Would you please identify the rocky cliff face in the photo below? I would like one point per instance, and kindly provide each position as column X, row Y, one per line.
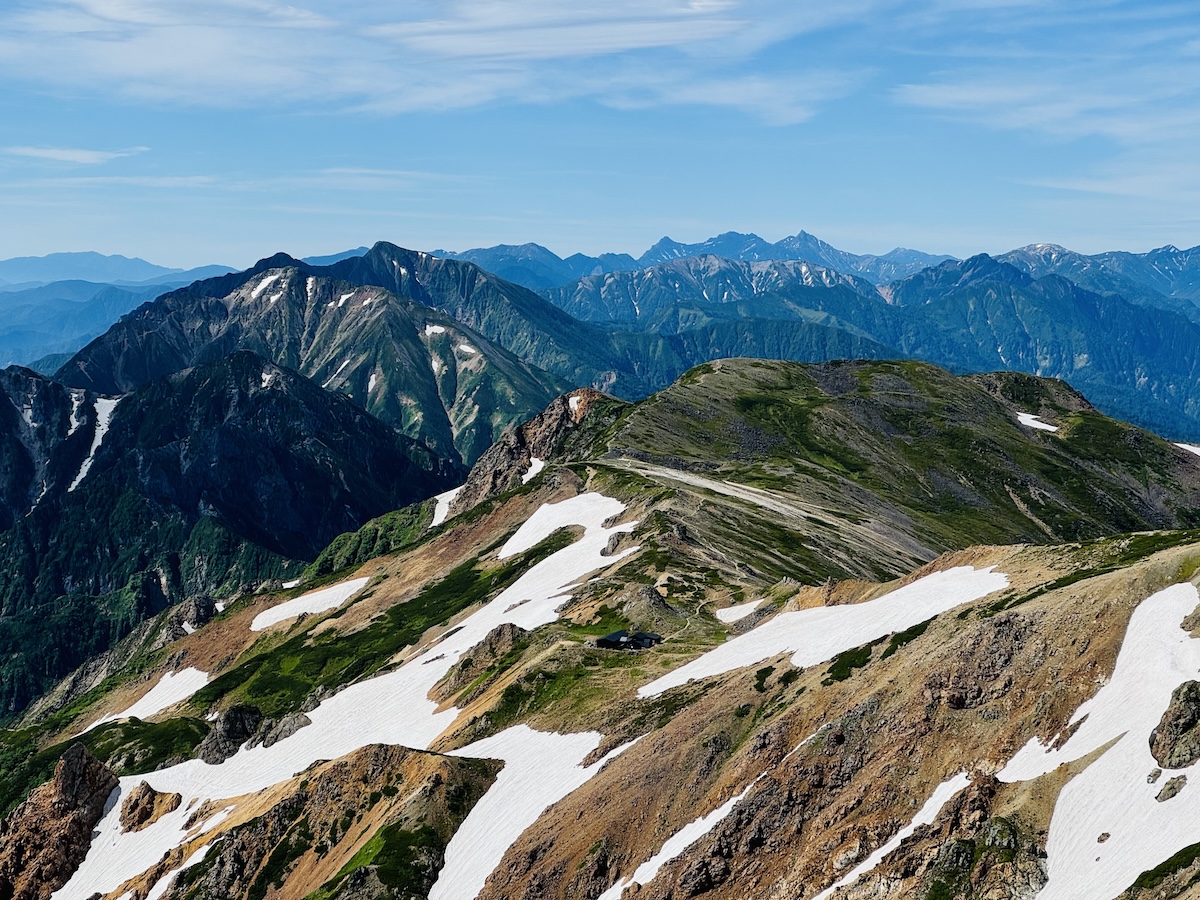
column 45, row 838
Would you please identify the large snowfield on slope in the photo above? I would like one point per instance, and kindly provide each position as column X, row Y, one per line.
column 1114, row 794
column 391, row 709
column 817, row 635
column 172, row 688
column 313, row 602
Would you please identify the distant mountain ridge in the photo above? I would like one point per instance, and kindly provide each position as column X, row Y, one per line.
column 539, row 269
column 92, row 266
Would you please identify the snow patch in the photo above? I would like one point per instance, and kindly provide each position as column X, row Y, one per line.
column 737, row 613
column 313, row 602
column 220, row 607
column 942, row 795
column 540, row 769
column 104, row 412
column 436, row 362
column 335, row 374
column 77, row 398
column 1029, row 420
column 342, row 299
column 442, row 508
column 1190, row 448
column 371, row 382
column 675, row 845
column 264, row 284
column 1113, row 794
column 573, row 403
column 434, row 329
column 467, row 349
column 288, row 585
column 394, row 708
column 817, row 635
column 310, row 288
column 172, row 688
column 535, row 466
column 189, row 628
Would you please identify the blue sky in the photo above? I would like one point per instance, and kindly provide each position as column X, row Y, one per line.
column 227, row 131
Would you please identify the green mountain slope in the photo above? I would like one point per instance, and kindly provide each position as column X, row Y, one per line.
column 208, row 482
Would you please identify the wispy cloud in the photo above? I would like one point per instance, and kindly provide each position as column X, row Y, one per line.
column 412, row 55
column 75, row 155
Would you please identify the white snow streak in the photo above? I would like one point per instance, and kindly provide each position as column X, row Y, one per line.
column 442, row 508
column 1113, row 794
column 172, row 688
column 539, row 770
column 535, row 466
column 942, row 795
column 264, row 284
column 436, row 362
column 310, row 287
column 393, row 708
column 315, row 602
column 1190, row 448
column 1029, row 420
column 342, row 299
column 335, row 374
column 77, row 398
column 371, row 382
column 817, row 635
column 288, row 585
column 737, row 613
column 104, row 412
column 160, row 887
column 675, row 845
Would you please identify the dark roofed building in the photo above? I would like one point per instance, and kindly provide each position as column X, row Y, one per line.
column 623, row 640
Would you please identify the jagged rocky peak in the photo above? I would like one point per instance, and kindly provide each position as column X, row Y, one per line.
column 43, row 841
column 523, row 450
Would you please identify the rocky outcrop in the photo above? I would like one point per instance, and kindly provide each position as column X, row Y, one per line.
column 144, row 806
column 233, row 728
column 45, row 839
column 1175, row 743
column 272, row 731
column 500, row 641
column 415, row 800
column 510, row 459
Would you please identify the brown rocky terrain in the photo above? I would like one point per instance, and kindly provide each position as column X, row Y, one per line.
column 45, row 838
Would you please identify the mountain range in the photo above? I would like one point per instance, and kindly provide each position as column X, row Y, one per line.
column 910, row 634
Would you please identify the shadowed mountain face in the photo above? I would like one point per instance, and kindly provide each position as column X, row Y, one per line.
column 208, row 481
column 416, row 369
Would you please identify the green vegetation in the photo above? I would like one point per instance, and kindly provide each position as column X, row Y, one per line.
column 389, row 533
column 277, row 680
column 402, row 861
column 1177, row 862
column 844, row 664
column 900, row 638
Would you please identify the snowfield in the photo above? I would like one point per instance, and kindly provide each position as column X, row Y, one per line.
column 172, row 688
column 104, row 414
column 817, row 635
column 395, row 708
column 1029, row 420
column 315, row 602
column 737, row 613
column 535, row 466
column 441, row 508
column 1115, row 794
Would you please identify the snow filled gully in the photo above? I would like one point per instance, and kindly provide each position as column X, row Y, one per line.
column 540, row 768
column 1108, row 825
